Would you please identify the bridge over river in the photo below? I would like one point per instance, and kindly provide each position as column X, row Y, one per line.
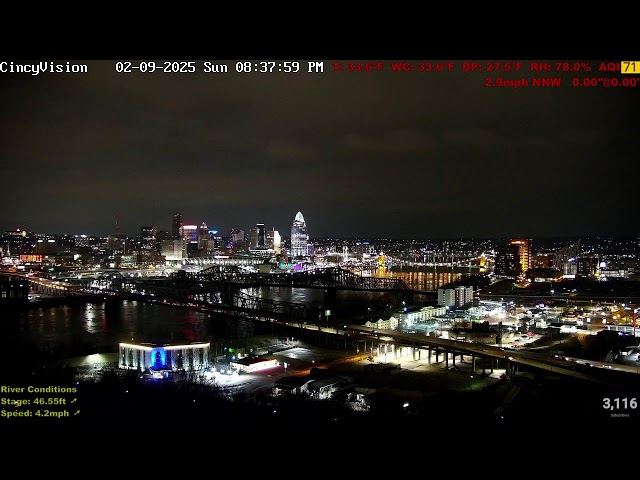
column 219, row 290
column 222, row 284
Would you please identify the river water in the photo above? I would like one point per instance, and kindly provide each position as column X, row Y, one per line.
column 421, row 279
column 67, row 331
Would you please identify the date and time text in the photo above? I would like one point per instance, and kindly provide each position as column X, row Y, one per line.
column 491, row 74
column 505, row 74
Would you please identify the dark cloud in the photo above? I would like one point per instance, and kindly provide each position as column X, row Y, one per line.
column 394, row 141
column 411, row 154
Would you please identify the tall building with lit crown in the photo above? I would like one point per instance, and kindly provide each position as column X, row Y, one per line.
column 299, row 237
column 524, row 253
column 189, row 234
column 203, row 237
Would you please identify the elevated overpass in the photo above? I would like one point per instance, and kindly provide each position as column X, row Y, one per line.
column 450, row 349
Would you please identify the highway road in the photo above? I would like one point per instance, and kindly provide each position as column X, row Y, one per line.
column 557, row 364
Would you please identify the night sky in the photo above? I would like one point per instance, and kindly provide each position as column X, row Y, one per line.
column 376, row 154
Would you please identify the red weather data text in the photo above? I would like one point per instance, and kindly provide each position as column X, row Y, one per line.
column 509, row 74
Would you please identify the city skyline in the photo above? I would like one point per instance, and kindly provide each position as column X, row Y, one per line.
column 369, row 154
column 246, row 231
column 136, row 232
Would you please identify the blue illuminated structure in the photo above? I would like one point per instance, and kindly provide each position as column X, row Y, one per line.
column 158, row 358
column 164, row 358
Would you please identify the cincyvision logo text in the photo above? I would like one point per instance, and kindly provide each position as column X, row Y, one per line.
column 42, row 67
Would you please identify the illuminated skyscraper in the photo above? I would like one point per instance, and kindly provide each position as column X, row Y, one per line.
column 237, row 236
column 508, row 261
column 299, row 237
column 237, row 239
column 203, row 236
column 277, row 241
column 258, row 236
column 524, row 253
column 173, row 249
column 215, row 240
column 148, row 237
column 189, row 234
column 273, row 240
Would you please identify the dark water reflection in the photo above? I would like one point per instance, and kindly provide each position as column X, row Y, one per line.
column 417, row 279
column 67, row 331
column 352, row 303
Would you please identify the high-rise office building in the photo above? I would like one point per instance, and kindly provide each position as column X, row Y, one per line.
column 237, row 236
column 203, row 237
column 116, row 243
column 173, row 249
column 258, row 236
column 277, row 242
column 299, row 237
column 587, row 267
column 508, row 261
column 175, row 225
column 214, row 242
column 524, row 253
column 189, row 235
column 262, row 240
column 148, row 237
column 161, row 236
column 273, row 240
column 237, row 240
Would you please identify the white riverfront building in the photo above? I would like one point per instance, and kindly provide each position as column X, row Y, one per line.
column 142, row 356
column 424, row 314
